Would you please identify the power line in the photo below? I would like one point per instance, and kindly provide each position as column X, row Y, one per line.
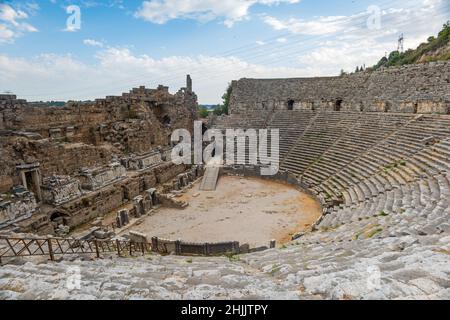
column 257, row 54
column 270, row 41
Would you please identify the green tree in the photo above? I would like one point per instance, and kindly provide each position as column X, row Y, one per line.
column 226, row 99
column 203, row 112
column 224, row 108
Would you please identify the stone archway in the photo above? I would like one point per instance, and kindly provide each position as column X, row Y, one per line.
column 166, row 120
column 31, row 178
column 290, row 105
column 338, row 105
column 59, row 217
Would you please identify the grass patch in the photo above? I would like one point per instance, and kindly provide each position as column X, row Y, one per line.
column 274, row 270
column 372, row 233
column 443, row 251
column 234, row 258
column 382, row 214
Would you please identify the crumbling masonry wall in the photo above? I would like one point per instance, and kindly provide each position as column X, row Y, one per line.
column 423, row 88
column 86, row 159
column 80, row 135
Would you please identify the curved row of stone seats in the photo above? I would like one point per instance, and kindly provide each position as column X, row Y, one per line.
column 385, row 166
column 391, row 176
column 425, row 201
column 322, row 265
column 319, row 136
column 243, row 121
column 292, row 125
column 365, row 133
column 153, row 277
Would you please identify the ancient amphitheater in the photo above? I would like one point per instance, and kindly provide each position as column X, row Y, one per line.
column 373, row 149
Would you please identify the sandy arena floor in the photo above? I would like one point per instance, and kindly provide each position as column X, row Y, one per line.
column 249, row 210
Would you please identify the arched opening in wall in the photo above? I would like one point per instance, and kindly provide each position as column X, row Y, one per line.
column 387, row 107
column 59, row 218
column 166, row 120
column 290, row 105
column 416, row 107
column 125, row 195
column 204, row 128
column 338, row 105
column 2, row 126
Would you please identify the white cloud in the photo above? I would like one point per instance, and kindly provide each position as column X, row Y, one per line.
column 232, row 11
column 319, row 26
column 11, row 25
column 331, row 43
column 117, row 70
column 93, row 43
column 6, row 35
column 405, row 18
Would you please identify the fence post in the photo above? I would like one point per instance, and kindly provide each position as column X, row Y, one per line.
column 155, row 244
column 96, row 249
column 273, row 244
column 143, row 248
column 118, row 246
column 50, row 250
column 236, row 247
column 178, row 247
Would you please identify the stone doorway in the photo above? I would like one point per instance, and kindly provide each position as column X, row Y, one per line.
column 290, row 105
column 31, row 178
column 59, row 218
column 338, row 105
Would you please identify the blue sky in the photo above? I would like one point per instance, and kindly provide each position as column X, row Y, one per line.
column 122, row 44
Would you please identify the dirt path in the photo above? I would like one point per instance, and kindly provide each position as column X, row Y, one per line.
column 247, row 210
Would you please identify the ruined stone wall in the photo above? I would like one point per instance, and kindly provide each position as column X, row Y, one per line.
column 54, row 158
column 167, row 171
column 140, row 109
column 87, row 134
column 106, row 200
column 421, row 88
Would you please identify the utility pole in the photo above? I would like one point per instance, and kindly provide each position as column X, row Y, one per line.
column 401, row 42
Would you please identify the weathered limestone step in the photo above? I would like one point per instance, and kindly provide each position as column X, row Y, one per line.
column 209, row 181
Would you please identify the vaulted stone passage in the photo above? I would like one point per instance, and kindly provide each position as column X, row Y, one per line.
column 290, row 105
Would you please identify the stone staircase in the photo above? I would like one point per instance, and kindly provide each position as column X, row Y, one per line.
column 387, row 238
column 321, row 265
column 210, row 178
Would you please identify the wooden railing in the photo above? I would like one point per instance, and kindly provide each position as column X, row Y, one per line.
column 12, row 247
column 52, row 247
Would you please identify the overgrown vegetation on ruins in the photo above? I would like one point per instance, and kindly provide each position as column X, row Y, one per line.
column 435, row 49
column 203, row 112
column 223, row 108
column 220, row 109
